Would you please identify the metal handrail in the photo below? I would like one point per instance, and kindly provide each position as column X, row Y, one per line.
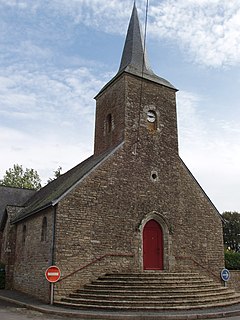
column 199, row 264
column 95, row 261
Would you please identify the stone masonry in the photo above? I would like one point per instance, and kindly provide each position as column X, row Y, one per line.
column 96, row 213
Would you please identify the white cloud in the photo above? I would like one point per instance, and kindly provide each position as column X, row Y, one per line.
column 110, row 16
column 47, row 92
column 21, row 4
column 30, row 50
column 43, row 154
column 211, row 150
column 46, row 115
column 207, row 30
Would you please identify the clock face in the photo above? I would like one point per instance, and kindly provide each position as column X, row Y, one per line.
column 151, row 116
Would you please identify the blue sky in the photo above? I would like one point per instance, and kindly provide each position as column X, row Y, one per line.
column 57, row 54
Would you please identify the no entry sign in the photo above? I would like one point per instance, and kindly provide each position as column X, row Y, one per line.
column 52, row 274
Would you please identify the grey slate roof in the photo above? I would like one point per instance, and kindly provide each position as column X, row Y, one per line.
column 52, row 193
column 14, row 197
column 134, row 60
column 132, row 55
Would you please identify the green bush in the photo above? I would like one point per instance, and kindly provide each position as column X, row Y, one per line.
column 232, row 260
column 2, row 276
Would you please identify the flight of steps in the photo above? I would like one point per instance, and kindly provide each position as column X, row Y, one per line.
column 151, row 292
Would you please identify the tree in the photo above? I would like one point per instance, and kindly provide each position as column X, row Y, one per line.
column 231, row 230
column 20, row 178
column 56, row 173
column 232, row 260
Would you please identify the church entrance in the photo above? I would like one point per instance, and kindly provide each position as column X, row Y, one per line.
column 152, row 246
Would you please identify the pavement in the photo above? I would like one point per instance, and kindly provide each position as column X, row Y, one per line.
column 31, row 303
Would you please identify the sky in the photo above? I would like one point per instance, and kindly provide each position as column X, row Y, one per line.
column 55, row 56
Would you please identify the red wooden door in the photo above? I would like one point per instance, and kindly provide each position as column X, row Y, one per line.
column 152, row 246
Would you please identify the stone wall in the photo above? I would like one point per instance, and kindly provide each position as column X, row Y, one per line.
column 33, row 255
column 143, row 179
column 199, row 226
column 8, row 245
column 109, row 135
column 106, row 213
column 234, row 282
column 88, row 272
column 100, row 222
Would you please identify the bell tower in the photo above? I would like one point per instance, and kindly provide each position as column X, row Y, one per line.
column 136, row 106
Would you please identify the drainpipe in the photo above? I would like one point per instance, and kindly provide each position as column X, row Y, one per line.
column 53, row 236
column 53, row 252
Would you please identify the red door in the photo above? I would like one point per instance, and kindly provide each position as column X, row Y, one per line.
column 152, row 246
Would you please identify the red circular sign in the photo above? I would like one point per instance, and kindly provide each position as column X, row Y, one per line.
column 52, row 274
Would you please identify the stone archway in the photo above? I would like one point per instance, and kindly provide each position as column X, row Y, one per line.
column 164, row 235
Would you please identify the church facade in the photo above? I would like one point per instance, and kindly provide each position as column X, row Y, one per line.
column 133, row 206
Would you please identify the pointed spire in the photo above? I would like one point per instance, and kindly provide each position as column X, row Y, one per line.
column 134, row 57
column 134, row 60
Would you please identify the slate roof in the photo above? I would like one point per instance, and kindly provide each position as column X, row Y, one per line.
column 134, row 58
column 14, row 197
column 53, row 192
column 134, row 47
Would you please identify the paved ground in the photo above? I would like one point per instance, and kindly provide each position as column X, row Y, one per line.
column 17, row 306
column 10, row 311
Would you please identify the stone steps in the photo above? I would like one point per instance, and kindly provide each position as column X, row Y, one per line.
column 153, row 288
column 141, row 308
column 144, row 292
column 151, row 291
column 150, row 297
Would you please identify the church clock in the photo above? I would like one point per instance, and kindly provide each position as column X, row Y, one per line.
column 151, row 116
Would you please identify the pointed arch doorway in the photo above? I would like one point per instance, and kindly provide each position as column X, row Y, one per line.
column 152, row 246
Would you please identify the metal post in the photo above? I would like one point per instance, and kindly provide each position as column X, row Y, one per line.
column 51, row 293
column 53, row 236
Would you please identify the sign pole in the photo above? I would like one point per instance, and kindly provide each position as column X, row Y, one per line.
column 51, row 293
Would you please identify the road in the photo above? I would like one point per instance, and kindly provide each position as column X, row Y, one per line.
column 9, row 311
column 12, row 312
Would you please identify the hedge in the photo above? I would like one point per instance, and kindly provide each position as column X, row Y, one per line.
column 232, row 260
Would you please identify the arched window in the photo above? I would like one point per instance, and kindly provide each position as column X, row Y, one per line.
column 44, row 229
column 24, row 234
column 109, row 123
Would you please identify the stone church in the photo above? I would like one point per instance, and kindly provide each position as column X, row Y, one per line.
column 132, row 207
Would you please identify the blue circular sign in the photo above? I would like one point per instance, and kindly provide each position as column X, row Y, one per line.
column 225, row 274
